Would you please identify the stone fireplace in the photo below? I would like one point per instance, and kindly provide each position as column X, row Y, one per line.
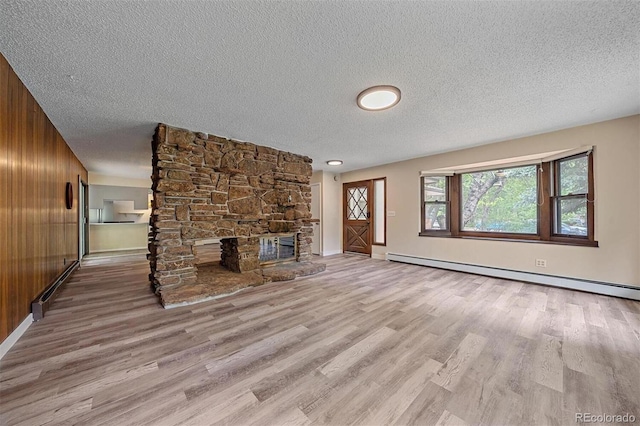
column 254, row 199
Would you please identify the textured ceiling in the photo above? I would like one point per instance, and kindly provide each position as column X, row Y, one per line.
column 286, row 74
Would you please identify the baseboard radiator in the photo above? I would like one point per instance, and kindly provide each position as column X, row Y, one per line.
column 41, row 304
column 598, row 287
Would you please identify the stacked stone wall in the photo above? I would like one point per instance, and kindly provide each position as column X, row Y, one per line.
column 207, row 187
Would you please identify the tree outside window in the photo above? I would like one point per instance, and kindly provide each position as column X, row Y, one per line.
column 435, row 203
column 500, row 201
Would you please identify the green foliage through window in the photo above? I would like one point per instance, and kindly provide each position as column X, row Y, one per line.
column 500, row 201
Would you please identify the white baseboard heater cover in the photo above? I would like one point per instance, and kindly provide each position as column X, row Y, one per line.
column 598, row 287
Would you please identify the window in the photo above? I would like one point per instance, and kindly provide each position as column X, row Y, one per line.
column 551, row 201
column 504, row 200
column 435, row 203
column 379, row 211
column 357, row 203
column 571, row 196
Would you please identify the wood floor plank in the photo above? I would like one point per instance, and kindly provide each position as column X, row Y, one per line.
column 207, row 410
column 254, row 351
column 448, row 419
column 427, row 407
column 548, row 363
column 634, row 322
column 346, row 359
column 529, row 326
column 300, row 362
column 365, row 342
column 393, row 407
column 58, row 415
column 290, row 417
column 455, row 366
column 595, row 315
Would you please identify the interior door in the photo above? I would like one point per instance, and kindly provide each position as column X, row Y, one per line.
column 357, row 217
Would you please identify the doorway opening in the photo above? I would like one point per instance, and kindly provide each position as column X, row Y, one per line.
column 83, row 218
column 364, row 215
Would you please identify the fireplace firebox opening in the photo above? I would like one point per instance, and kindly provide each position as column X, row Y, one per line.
column 277, row 249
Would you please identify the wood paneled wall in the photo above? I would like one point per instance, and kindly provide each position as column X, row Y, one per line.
column 38, row 235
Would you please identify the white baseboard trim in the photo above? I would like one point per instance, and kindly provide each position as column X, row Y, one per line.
column 15, row 335
column 331, row 252
column 598, row 287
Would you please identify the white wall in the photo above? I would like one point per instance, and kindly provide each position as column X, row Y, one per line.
column 117, row 236
column 332, row 213
column 617, row 209
column 98, row 179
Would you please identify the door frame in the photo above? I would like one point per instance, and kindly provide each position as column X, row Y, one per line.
column 83, row 228
column 369, row 184
column 319, row 236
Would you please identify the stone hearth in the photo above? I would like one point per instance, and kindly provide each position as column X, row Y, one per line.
column 207, row 187
column 214, row 281
column 291, row 270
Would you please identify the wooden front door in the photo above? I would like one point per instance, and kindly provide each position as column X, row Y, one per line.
column 357, row 217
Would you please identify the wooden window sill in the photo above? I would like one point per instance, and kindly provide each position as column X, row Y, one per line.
column 565, row 241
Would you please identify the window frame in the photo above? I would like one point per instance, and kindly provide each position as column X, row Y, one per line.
column 589, row 199
column 446, row 203
column 547, row 174
column 506, row 235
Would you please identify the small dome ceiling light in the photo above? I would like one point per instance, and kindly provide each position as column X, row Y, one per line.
column 334, row 162
column 378, row 98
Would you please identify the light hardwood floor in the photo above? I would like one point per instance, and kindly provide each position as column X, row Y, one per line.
column 366, row 342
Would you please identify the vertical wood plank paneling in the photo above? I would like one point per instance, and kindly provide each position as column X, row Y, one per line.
column 14, row 177
column 37, row 231
column 4, row 200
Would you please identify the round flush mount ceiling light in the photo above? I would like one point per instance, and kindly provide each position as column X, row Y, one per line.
column 378, row 98
column 334, row 162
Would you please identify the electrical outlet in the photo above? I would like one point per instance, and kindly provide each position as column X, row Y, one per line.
column 541, row 263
